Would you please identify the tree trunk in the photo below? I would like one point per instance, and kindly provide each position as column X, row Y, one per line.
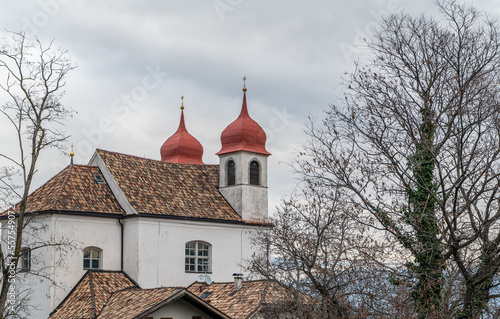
column 429, row 259
column 475, row 300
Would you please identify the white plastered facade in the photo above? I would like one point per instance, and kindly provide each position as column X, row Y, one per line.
column 153, row 253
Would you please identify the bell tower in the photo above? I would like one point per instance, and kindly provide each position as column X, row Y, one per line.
column 243, row 166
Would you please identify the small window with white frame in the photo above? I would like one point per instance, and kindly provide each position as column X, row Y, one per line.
column 92, row 258
column 25, row 255
column 198, row 257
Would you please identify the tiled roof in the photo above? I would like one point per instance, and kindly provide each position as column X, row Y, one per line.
column 90, row 295
column 74, row 189
column 186, row 191
column 169, row 189
column 112, row 294
column 130, row 303
column 243, row 303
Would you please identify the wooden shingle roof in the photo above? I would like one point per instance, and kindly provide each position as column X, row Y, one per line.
column 112, row 294
column 74, row 189
column 90, row 294
column 130, row 303
column 150, row 187
column 244, row 303
column 137, row 303
column 169, row 189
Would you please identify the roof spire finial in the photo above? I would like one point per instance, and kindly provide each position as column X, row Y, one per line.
column 72, row 154
column 182, row 101
column 244, row 84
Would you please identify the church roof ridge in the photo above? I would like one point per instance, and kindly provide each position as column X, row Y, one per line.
column 151, row 159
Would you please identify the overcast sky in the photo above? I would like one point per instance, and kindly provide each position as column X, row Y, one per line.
column 137, row 58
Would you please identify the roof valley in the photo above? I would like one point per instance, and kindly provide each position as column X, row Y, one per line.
column 92, row 295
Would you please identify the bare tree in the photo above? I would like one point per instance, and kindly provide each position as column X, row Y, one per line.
column 32, row 78
column 415, row 143
column 317, row 248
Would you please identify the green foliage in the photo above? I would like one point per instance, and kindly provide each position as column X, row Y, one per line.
column 421, row 216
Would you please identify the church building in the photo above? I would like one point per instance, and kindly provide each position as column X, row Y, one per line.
column 151, row 238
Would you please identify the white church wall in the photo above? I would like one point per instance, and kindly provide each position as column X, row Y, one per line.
column 100, row 232
column 161, row 250
column 130, row 247
column 32, row 289
column 154, row 252
column 63, row 266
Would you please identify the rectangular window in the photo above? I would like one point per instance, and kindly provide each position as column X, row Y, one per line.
column 190, row 249
column 92, row 258
column 202, row 264
column 203, row 250
column 25, row 259
column 254, row 173
column 197, row 257
column 190, row 264
column 231, row 176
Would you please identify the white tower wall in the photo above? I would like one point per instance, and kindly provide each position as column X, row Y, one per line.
column 249, row 201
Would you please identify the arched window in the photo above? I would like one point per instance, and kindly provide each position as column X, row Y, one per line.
column 198, row 257
column 254, row 173
column 231, row 176
column 92, row 258
column 25, row 259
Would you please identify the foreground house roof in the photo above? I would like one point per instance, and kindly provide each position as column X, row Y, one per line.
column 138, row 303
column 112, row 294
column 250, row 299
column 91, row 293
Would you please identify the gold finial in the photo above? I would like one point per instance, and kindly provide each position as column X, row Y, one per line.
column 72, row 154
column 182, row 105
column 244, row 84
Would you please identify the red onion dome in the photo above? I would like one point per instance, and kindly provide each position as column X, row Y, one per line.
column 182, row 147
column 244, row 134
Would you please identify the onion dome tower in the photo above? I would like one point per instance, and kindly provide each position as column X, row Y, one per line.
column 243, row 165
column 182, row 147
